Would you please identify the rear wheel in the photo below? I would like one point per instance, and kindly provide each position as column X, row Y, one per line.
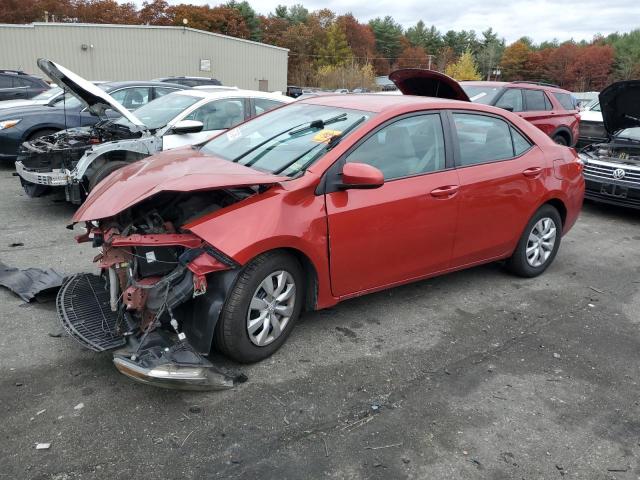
column 261, row 309
column 561, row 140
column 539, row 243
column 104, row 171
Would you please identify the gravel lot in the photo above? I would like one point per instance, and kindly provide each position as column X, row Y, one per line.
column 477, row 374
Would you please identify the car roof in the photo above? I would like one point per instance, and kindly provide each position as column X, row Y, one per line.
column 233, row 94
column 518, row 84
column 372, row 102
column 141, row 83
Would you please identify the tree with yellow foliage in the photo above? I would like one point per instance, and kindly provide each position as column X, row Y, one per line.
column 464, row 69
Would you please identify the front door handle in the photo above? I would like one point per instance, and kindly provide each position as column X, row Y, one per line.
column 447, row 191
column 532, row 172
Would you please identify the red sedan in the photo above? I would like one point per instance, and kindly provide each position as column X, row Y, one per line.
column 305, row 206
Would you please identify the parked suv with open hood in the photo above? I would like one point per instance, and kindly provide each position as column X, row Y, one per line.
column 79, row 159
column 548, row 107
column 612, row 168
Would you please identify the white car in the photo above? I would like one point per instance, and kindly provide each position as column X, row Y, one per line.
column 591, row 124
column 78, row 159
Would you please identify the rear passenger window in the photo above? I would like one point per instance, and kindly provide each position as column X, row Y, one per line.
column 263, row 105
column 483, row 139
column 520, row 143
column 411, row 146
column 5, row 81
column 566, row 100
column 511, row 100
column 534, row 100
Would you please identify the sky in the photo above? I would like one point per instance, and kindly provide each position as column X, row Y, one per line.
column 512, row 19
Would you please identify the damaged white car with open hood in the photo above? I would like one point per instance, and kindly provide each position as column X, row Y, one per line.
column 78, row 159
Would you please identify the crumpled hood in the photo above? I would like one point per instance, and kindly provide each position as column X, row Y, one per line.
column 427, row 83
column 620, row 105
column 95, row 98
column 179, row 170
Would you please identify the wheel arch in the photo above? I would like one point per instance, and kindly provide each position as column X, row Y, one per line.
column 559, row 205
column 564, row 132
column 102, row 158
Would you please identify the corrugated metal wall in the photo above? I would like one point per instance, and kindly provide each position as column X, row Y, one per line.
column 116, row 52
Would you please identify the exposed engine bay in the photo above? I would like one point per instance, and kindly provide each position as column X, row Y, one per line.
column 153, row 300
column 626, row 153
column 63, row 149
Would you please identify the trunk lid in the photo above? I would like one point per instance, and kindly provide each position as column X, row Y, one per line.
column 179, row 170
column 620, row 105
column 427, row 83
column 95, row 98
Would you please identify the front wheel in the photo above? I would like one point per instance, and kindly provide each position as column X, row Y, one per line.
column 104, row 171
column 539, row 243
column 261, row 309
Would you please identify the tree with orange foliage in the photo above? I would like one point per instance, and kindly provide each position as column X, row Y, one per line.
column 514, row 61
column 413, row 57
column 359, row 37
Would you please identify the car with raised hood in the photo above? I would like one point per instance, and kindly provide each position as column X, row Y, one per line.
column 222, row 246
column 548, row 107
column 78, row 159
column 612, row 167
column 25, row 123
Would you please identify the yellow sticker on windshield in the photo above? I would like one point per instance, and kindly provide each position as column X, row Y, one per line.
column 323, row 136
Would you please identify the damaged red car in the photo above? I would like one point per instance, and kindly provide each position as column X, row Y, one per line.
column 223, row 246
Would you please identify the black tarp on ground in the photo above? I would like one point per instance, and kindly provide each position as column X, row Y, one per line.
column 29, row 282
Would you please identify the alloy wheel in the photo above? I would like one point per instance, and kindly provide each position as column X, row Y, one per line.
column 542, row 239
column 271, row 308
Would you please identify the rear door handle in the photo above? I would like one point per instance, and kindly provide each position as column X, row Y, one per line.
column 447, row 191
column 532, row 172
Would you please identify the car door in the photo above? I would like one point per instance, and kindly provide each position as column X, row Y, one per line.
column 539, row 111
column 216, row 116
column 404, row 229
column 502, row 180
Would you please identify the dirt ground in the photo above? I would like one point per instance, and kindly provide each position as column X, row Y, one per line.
column 477, row 374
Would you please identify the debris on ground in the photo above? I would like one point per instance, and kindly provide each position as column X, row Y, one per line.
column 16, row 244
column 43, row 446
column 79, row 406
column 29, row 282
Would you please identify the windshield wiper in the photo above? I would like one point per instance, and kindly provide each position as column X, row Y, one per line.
column 333, row 141
column 319, row 123
column 273, row 137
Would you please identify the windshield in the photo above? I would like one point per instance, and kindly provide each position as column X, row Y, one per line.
column 157, row 113
column 484, row 94
column 630, row 134
column 288, row 140
column 48, row 94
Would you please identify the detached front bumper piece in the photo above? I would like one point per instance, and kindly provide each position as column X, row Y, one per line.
column 155, row 358
column 56, row 178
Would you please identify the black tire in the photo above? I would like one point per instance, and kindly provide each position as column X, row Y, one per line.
column 231, row 335
column 561, row 140
column 34, row 190
column 518, row 263
column 104, row 171
column 42, row 133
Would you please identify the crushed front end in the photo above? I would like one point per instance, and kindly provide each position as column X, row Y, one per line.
column 156, row 299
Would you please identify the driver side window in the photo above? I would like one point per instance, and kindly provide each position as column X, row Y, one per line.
column 219, row 115
column 407, row 147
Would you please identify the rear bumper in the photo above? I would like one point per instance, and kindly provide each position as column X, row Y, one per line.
column 56, row 178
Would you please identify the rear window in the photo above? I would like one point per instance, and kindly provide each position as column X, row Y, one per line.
column 566, row 100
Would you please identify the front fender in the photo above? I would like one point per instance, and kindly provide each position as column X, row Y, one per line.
column 276, row 219
column 141, row 146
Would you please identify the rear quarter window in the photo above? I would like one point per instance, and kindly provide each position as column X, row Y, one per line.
column 566, row 100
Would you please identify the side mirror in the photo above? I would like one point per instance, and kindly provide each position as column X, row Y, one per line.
column 361, row 175
column 187, row 126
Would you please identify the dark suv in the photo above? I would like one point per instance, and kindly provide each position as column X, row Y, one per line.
column 549, row 107
column 15, row 84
